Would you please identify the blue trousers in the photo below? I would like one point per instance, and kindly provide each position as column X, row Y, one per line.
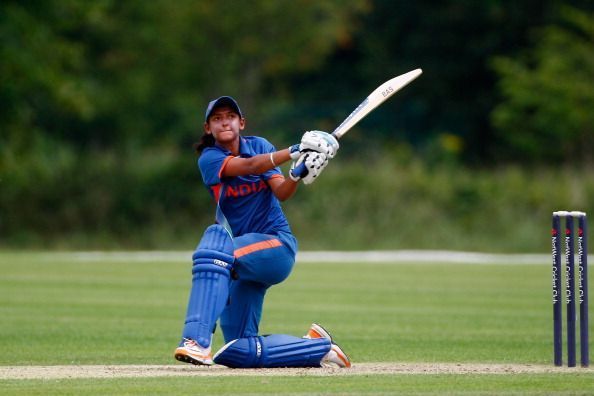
column 262, row 260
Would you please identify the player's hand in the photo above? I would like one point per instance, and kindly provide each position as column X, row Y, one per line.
column 318, row 141
column 308, row 167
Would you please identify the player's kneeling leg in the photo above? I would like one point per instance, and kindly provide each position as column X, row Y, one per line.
column 277, row 350
column 213, row 262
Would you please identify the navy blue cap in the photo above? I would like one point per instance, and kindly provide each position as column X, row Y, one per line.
column 222, row 101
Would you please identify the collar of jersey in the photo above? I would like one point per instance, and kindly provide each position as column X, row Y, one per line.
column 244, row 148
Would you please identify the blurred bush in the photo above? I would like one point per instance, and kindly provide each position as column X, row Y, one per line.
column 389, row 200
column 387, row 203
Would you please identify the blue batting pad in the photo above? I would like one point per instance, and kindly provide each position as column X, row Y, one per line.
column 276, row 350
column 213, row 262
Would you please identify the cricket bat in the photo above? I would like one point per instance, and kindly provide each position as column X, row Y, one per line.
column 377, row 97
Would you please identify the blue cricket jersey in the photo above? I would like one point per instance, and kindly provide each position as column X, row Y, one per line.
column 246, row 201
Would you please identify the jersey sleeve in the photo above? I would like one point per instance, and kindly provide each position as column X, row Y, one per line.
column 211, row 164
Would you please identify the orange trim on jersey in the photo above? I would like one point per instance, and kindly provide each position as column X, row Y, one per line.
column 225, row 162
column 254, row 247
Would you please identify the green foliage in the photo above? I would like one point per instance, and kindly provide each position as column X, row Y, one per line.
column 453, row 42
column 100, row 98
column 118, row 74
column 99, row 199
column 404, row 204
column 155, row 199
column 548, row 95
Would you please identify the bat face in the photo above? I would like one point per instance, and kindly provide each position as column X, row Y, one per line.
column 377, row 97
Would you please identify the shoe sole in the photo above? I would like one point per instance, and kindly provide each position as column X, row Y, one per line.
column 183, row 356
column 318, row 332
column 342, row 356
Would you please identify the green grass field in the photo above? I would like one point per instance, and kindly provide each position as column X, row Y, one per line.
column 58, row 309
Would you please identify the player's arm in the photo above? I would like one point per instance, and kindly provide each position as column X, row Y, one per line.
column 255, row 165
column 316, row 141
column 283, row 188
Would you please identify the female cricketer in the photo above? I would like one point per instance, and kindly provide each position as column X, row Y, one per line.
column 250, row 247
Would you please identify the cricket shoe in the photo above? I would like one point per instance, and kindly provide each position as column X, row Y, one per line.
column 192, row 352
column 335, row 357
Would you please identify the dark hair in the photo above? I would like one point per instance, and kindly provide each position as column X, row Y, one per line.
column 206, row 140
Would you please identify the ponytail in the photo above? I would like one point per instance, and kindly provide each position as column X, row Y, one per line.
column 206, row 140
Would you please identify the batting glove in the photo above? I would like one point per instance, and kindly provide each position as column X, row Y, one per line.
column 318, row 141
column 308, row 167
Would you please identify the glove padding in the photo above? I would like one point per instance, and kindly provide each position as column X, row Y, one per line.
column 318, row 141
column 308, row 167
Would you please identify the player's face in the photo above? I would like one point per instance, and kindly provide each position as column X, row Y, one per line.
column 225, row 125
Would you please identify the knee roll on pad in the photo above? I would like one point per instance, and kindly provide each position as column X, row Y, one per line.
column 215, row 247
column 277, row 350
column 212, row 264
column 216, row 238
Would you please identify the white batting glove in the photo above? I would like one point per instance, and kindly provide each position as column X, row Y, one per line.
column 308, row 167
column 318, row 141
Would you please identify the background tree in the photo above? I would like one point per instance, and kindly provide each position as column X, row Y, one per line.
column 548, row 94
column 101, row 100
